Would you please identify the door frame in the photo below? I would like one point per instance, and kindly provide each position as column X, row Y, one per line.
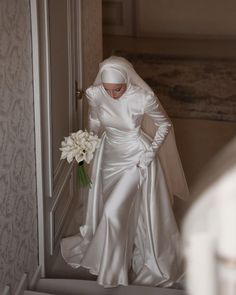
column 125, row 11
column 36, row 26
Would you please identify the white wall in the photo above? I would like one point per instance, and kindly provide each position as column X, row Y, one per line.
column 194, row 18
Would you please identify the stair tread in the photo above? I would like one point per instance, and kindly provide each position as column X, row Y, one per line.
column 30, row 292
column 85, row 287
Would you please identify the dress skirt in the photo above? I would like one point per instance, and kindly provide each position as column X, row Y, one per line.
column 130, row 235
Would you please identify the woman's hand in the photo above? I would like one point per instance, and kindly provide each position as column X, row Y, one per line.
column 146, row 158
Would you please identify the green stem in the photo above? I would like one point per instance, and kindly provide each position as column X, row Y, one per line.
column 82, row 177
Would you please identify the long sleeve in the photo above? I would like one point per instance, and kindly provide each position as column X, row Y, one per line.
column 160, row 119
column 93, row 120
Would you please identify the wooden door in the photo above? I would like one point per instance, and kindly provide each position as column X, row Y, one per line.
column 58, row 114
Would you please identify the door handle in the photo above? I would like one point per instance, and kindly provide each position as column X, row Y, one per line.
column 79, row 93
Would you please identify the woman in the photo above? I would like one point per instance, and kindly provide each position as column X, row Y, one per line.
column 130, row 234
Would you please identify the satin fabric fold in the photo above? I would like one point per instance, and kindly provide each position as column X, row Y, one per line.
column 130, row 235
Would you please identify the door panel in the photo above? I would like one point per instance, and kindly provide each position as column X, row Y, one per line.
column 62, row 101
column 59, row 68
column 59, row 211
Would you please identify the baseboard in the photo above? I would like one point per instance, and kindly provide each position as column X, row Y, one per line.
column 182, row 36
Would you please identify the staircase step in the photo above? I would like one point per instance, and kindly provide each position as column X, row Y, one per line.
column 85, row 287
column 29, row 292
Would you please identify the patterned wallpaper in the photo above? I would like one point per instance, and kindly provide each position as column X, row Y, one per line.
column 18, row 212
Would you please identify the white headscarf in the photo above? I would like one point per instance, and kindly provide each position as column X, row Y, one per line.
column 168, row 153
column 125, row 67
column 113, row 75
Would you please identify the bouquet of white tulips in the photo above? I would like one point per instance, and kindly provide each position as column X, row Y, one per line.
column 80, row 146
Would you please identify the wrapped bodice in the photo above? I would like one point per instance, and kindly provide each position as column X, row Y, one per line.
column 126, row 113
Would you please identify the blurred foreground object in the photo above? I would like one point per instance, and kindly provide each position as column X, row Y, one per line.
column 209, row 229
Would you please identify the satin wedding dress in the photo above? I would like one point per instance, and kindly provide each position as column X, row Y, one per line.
column 130, row 235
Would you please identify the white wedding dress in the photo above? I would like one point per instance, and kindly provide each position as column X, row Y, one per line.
column 130, row 235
